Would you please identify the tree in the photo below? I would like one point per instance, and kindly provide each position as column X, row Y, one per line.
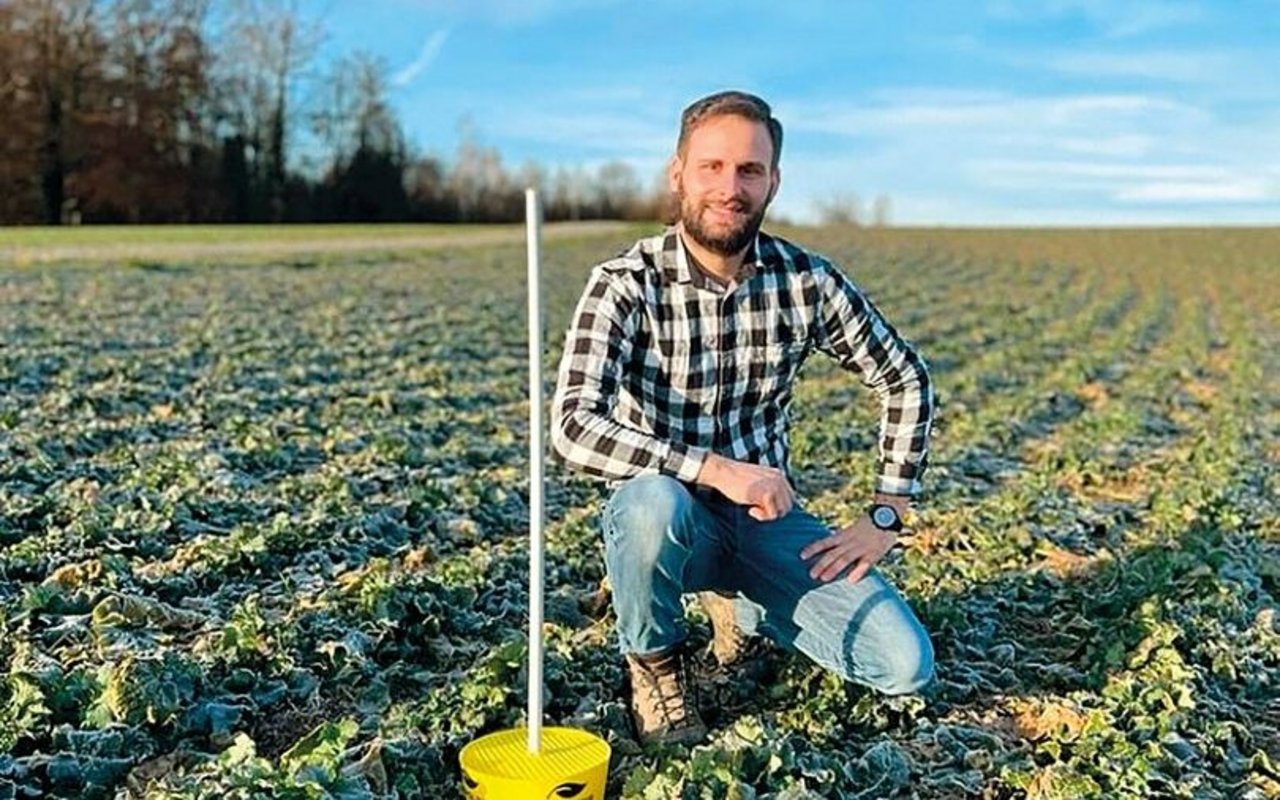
column 150, row 132
column 479, row 183
column 187, row 110
column 52, row 55
column 266, row 46
column 532, row 176
column 573, row 195
column 617, row 190
column 429, row 197
column 842, row 208
column 367, row 179
column 355, row 112
column 882, row 211
column 19, row 165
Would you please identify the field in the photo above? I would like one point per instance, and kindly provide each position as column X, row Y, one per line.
column 261, row 527
column 159, row 245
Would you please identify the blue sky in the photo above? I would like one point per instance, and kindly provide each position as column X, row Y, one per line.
column 964, row 113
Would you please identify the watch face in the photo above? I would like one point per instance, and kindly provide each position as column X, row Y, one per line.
column 884, row 516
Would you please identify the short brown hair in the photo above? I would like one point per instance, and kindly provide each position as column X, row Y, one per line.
column 739, row 104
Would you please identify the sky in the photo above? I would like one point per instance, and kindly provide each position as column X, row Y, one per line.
column 1005, row 112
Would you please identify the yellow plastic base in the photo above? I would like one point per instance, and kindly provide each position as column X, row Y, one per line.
column 571, row 764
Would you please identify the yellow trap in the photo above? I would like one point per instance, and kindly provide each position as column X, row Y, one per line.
column 570, row 764
column 535, row 763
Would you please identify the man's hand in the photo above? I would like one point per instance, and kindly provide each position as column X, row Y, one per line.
column 764, row 489
column 861, row 542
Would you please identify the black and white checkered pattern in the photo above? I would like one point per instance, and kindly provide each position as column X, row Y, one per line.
column 662, row 364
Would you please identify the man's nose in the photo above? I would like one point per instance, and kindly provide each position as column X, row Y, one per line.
column 730, row 183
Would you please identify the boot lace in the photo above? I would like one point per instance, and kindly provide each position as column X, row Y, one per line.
column 666, row 691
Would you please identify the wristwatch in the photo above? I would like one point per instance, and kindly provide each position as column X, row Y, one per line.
column 885, row 517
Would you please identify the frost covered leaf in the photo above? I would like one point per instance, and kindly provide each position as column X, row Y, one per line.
column 1040, row 719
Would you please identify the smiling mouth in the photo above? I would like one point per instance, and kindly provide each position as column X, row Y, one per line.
column 727, row 212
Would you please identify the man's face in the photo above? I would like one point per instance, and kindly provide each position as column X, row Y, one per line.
column 724, row 182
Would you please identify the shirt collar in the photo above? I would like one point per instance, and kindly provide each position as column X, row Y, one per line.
column 679, row 265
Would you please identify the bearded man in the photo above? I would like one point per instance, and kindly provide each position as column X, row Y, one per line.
column 675, row 385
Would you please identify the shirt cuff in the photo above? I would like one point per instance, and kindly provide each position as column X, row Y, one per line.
column 888, row 481
column 684, row 462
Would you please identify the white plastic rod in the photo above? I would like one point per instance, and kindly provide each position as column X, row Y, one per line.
column 533, row 229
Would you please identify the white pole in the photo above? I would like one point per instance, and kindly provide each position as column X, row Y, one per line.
column 533, row 226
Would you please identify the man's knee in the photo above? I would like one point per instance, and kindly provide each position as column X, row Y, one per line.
column 907, row 669
column 645, row 508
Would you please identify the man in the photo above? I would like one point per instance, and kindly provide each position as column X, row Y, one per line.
column 675, row 384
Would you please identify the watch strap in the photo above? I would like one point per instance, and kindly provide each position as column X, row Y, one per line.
column 885, row 517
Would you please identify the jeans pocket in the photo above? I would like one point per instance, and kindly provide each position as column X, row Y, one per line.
column 609, row 522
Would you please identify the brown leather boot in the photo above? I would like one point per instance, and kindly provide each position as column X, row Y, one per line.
column 664, row 705
column 729, row 644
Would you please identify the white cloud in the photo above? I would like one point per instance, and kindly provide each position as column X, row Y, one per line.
column 989, row 112
column 1087, row 107
column 969, row 157
column 1181, row 66
column 1130, row 182
column 1114, row 20
column 510, row 12
column 1089, row 169
column 1123, row 20
column 428, row 54
column 629, row 135
column 1119, row 145
column 1228, row 190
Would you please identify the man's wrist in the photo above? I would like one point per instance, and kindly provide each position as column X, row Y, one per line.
column 683, row 462
column 712, row 468
column 900, row 502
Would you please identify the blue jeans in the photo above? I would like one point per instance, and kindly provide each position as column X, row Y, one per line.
column 663, row 540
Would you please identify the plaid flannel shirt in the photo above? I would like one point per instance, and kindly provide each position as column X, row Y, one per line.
column 663, row 365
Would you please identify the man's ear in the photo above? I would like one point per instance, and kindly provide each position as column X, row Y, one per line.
column 674, row 168
column 774, row 184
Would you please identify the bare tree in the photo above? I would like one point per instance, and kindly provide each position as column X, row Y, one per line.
column 151, row 127
column 185, row 110
column 842, row 208
column 358, row 114
column 53, row 53
column 266, row 46
column 367, row 177
column 532, row 176
column 425, row 182
column 882, row 211
column 19, row 163
column 478, row 181
column 617, row 189
column 562, row 200
column 332, row 118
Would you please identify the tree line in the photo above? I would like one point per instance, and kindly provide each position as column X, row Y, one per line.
column 158, row 111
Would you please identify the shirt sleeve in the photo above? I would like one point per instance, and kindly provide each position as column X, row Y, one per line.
column 584, row 434
column 853, row 331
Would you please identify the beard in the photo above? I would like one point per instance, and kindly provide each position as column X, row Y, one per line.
column 731, row 239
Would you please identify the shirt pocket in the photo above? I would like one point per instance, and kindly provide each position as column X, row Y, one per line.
column 769, row 369
column 666, row 362
column 689, row 372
